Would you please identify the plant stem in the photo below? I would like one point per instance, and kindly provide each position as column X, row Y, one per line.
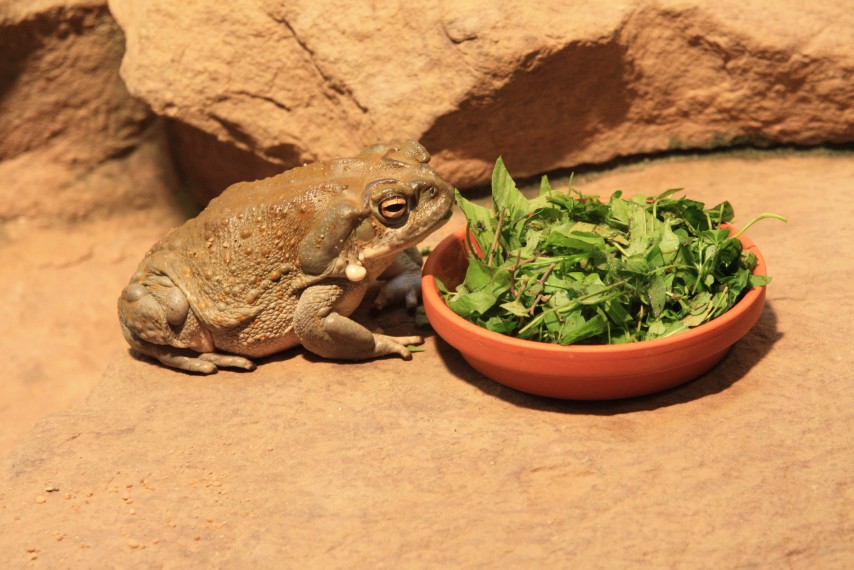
column 760, row 217
column 571, row 305
column 495, row 239
column 541, row 281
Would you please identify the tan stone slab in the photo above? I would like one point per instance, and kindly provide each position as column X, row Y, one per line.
column 427, row 463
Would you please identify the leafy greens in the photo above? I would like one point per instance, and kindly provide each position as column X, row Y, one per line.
column 569, row 268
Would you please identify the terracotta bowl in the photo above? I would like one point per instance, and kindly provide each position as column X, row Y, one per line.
column 582, row 372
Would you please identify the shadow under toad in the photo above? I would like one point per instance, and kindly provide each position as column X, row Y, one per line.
column 745, row 354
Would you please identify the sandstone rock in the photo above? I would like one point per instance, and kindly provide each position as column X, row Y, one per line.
column 58, row 287
column 74, row 142
column 207, row 166
column 550, row 86
column 311, row 463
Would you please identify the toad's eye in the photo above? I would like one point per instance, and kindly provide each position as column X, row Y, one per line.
column 393, row 209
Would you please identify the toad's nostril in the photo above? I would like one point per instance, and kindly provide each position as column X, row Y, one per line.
column 423, row 188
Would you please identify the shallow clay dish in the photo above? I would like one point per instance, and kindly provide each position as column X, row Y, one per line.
column 583, row 372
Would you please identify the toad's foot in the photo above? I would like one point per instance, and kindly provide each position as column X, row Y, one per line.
column 385, row 344
column 227, row 361
column 402, row 281
column 206, row 363
column 187, row 360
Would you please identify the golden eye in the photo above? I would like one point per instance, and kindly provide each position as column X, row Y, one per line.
column 394, row 208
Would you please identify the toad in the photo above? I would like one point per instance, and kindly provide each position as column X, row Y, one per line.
column 284, row 261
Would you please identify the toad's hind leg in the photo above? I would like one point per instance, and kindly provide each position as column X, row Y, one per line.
column 156, row 321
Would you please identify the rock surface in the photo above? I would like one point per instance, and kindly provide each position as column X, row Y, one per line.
column 559, row 85
column 58, row 288
column 74, row 143
column 428, row 464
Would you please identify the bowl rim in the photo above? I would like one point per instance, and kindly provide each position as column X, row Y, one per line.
column 431, row 295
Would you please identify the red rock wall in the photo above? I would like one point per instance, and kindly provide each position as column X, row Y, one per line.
column 73, row 142
column 253, row 88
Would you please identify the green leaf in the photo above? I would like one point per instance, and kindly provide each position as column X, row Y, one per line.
column 505, row 195
column 545, row 187
column 722, row 213
column 617, row 311
column 619, row 212
column 575, row 327
column 660, row 329
column 531, row 242
column 574, row 241
column 668, row 243
column 499, row 325
column 515, row 307
column 657, row 293
column 759, row 280
column 421, row 320
column 479, row 219
column 483, row 285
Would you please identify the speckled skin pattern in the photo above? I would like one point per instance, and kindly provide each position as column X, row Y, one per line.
column 284, row 261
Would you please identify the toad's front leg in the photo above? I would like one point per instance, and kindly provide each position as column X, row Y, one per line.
column 330, row 334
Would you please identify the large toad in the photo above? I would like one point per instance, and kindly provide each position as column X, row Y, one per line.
column 284, row 261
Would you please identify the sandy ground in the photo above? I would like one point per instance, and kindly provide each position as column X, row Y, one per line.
column 427, row 463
